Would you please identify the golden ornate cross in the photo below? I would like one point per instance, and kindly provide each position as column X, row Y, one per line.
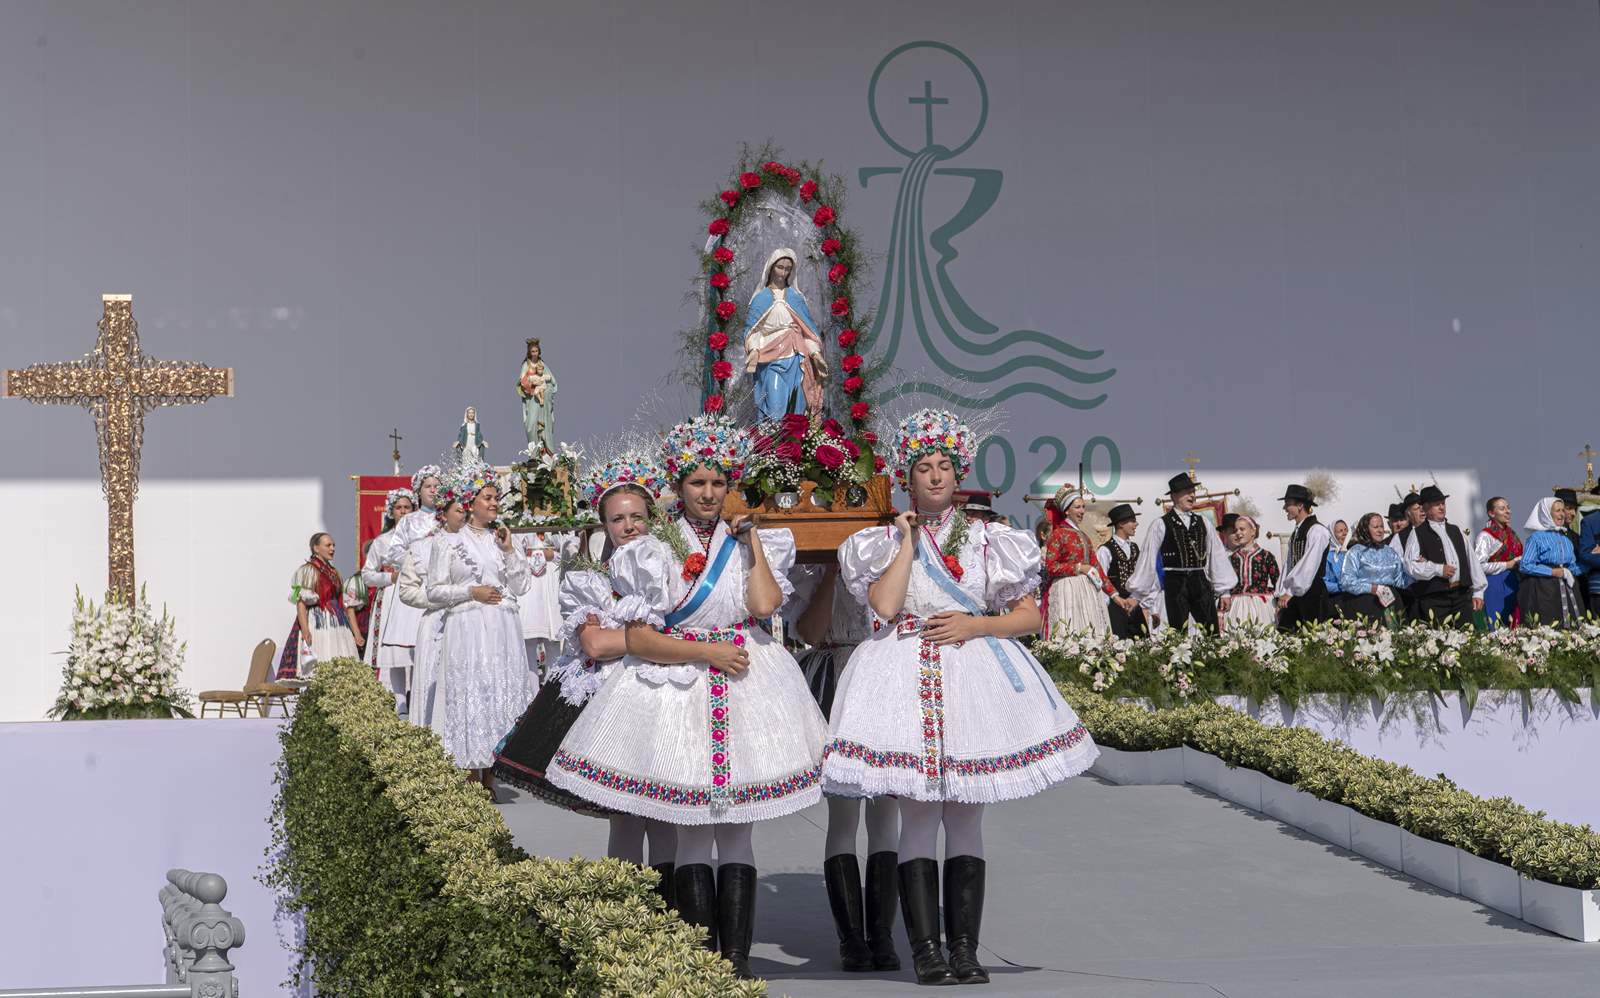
column 119, row 384
column 1193, row 461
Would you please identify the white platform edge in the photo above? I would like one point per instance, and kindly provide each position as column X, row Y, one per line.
column 1565, row 911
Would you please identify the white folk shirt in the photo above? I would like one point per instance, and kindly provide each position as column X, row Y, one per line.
column 1418, row 568
column 1297, row 581
column 1144, row 586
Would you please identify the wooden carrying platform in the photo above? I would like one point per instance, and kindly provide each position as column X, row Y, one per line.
column 818, row 532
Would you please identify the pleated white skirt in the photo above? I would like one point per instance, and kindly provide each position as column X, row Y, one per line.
column 1077, row 604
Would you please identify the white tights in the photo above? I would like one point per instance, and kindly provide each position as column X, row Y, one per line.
column 732, row 844
column 844, row 815
column 626, row 840
column 919, row 829
column 394, row 680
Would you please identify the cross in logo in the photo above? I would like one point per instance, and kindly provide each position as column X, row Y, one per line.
column 928, row 100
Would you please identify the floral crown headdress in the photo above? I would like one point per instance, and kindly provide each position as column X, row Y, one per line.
column 709, row 441
column 394, row 496
column 463, row 483
column 628, row 468
column 424, row 473
column 932, row 431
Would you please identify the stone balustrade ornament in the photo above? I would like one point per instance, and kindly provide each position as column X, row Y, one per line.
column 200, row 932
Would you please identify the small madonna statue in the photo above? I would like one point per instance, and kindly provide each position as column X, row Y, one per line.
column 783, row 351
column 536, row 386
column 470, row 444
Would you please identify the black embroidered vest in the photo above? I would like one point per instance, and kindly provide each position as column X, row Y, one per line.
column 1297, row 550
column 1183, row 547
column 1121, row 565
column 1431, row 547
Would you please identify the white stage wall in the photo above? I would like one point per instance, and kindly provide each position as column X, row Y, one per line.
column 97, row 812
column 219, row 554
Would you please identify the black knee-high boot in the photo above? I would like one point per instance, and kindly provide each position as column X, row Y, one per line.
column 919, row 903
column 842, row 874
column 666, row 889
column 695, row 887
column 736, row 901
column 882, row 898
column 963, row 914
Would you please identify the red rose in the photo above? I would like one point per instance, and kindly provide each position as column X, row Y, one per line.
column 717, row 341
column 796, row 424
column 953, row 566
column 808, row 190
column 722, row 254
column 789, row 450
column 859, row 411
column 877, row 464
column 824, row 216
column 853, row 384
column 729, row 198
column 693, row 566
column 851, row 362
column 829, row 456
column 869, row 437
column 773, row 166
column 847, row 338
column 719, row 280
column 840, row 307
column 713, row 403
column 831, row 246
column 722, row 370
column 718, row 227
column 836, row 273
column 725, row 310
column 850, row 448
column 791, row 174
column 749, row 181
column 831, row 427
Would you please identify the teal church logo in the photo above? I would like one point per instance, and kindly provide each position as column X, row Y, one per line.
column 929, row 103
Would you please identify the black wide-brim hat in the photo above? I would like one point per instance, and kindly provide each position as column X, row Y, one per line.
column 1397, row 511
column 1299, row 494
column 1411, row 499
column 1181, row 483
column 1568, row 497
column 1431, row 493
column 1122, row 513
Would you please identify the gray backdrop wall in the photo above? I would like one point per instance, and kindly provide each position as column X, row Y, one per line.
column 1303, row 234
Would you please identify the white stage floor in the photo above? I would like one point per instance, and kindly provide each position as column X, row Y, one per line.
column 1152, row 891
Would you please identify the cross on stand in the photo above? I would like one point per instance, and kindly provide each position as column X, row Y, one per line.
column 119, row 384
column 928, row 100
column 1588, row 455
column 1193, row 461
column 394, row 434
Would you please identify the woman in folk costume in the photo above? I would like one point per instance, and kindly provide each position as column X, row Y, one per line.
column 1548, row 593
column 623, row 492
column 482, row 682
column 406, row 555
column 1498, row 549
column 1250, row 601
column 782, row 348
column 1078, row 590
column 540, row 610
column 942, row 706
column 718, row 729
column 1372, row 575
column 834, row 625
column 322, row 630
column 378, row 572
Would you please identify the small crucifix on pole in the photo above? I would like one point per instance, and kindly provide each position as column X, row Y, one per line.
column 1193, row 461
column 394, row 435
column 1588, row 454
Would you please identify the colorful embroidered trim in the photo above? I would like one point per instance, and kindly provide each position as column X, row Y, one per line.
column 984, row 766
column 717, row 684
column 749, row 793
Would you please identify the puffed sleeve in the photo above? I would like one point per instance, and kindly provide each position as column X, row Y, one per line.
column 355, row 592
column 585, row 594
column 372, row 570
column 641, row 573
column 865, row 556
column 778, row 545
column 303, row 587
column 441, row 591
column 1011, row 564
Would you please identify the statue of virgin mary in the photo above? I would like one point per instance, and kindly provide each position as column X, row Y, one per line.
column 783, row 351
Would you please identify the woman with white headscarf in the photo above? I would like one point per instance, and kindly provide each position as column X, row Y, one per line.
column 1549, row 591
column 1076, row 597
column 782, row 348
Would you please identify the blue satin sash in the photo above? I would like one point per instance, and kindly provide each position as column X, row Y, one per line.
column 708, row 581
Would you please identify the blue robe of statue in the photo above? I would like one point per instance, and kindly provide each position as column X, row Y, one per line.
column 779, row 383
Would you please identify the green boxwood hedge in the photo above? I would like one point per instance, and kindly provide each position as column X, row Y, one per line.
column 1497, row 829
column 409, row 884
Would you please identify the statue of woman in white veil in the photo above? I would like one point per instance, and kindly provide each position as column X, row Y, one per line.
column 783, row 351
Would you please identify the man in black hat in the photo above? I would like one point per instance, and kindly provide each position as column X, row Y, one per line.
column 1411, row 516
column 1193, row 560
column 1397, row 518
column 1302, row 590
column 977, row 504
column 1449, row 581
column 1117, row 558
